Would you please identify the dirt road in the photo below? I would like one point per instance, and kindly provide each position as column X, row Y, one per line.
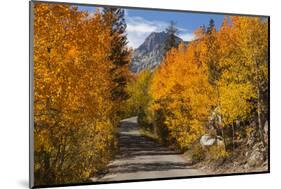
column 142, row 158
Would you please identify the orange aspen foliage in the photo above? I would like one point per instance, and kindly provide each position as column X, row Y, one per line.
column 73, row 121
column 225, row 71
column 181, row 90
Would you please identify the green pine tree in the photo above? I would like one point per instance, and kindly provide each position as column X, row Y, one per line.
column 120, row 54
column 171, row 40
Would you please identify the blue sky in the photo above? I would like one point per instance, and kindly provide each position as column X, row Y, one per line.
column 140, row 22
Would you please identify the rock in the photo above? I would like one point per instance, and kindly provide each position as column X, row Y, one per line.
column 151, row 52
column 256, row 158
column 251, row 141
column 207, row 140
column 265, row 128
column 265, row 132
column 258, row 146
column 246, row 166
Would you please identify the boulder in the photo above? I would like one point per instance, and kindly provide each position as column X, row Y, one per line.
column 207, row 140
column 256, row 158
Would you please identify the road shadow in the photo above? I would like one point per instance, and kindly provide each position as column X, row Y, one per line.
column 147, row 167
column 133, row 145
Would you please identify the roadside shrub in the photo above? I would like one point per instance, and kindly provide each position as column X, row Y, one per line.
column 197, row 153
column 216, row 152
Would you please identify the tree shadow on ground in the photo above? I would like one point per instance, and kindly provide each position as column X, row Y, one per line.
column 138, row 167
column 132, row 145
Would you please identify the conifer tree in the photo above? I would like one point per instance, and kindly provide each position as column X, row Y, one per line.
column 171, row 40
column 211, row 26
column 120, row 54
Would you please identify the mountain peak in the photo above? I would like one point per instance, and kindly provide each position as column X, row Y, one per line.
column 151, row 52
column 154, row 39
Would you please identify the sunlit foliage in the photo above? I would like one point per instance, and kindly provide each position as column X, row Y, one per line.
column 82, row 86
column 243, row 84
column 224, row 71
column 181, row 89
column 137, row 90
column 74, row 118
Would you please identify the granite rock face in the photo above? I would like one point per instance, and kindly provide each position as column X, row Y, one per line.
column 151, row 52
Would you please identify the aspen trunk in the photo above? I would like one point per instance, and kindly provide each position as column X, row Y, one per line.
column 220, row 115
column 260, row 127
column 233, row 133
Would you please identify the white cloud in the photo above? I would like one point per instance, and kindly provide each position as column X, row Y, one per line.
column 187, row 36
column 139, row 28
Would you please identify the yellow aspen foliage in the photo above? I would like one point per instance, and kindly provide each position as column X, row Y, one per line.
column 181, row 90
column 82, row 83
column 137, row 90
column 224, row 71
column 244, row 65
column 73, row 121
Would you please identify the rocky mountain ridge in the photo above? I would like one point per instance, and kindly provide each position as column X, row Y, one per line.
column 151, row 52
